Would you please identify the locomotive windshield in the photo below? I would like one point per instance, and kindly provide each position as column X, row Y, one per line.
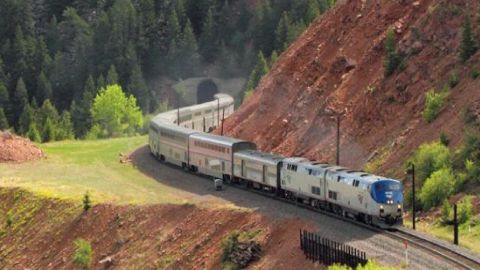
column 387, row 192
column 387, row 186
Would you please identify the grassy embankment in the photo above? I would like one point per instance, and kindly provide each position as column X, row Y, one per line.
column 74, row 167
column 469, row 236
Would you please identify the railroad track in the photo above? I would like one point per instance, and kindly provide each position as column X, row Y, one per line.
column 438, row 248
column 450, row 253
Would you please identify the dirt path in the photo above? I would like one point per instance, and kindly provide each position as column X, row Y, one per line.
column 379, row 247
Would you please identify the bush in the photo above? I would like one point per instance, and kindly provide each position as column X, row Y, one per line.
column 446, row 211
column 465, row 210
column 434, row 102
column 437, row 188
column 429, row 158
column 9, row 220
column 392, row 58
column 444, row 139
column 83, row 253
column 474, row 73
column 87, row 203
column 453, row 80
column 229, row 245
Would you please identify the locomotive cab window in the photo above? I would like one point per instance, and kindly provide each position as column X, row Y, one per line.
column 332, row 195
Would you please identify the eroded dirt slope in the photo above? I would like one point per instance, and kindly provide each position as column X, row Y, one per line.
column 336, row 66
column 42, row 232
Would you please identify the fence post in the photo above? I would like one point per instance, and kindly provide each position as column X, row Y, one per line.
column 301, row 240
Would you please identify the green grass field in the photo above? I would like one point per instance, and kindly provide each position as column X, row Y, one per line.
column 74, row 167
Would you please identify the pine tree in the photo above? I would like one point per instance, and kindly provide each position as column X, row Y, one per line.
column 261, row 68
column 392, row 59
column 313, row 11
column 174, row 29
column 81, row 116
column 20, row 54
column 4, row 96
column 468, row 46
column 33, row 133
column 188, row 51
column 180, row 11
column 101, row 82
column 208, row 47
column 273, row 58
column 43, row 61
column 64, row 130
column 26, row 118
column 20, row 99
column 138, row 88
column 44, row 88
column 47, row 111
column 112, row 76
column 294, row 31
column 3, row 120
column 281, row 32
column 49, row 131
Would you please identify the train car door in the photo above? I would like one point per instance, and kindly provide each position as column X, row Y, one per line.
column 264, row 173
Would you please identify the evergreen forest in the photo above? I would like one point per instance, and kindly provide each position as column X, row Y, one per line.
column 56, row 55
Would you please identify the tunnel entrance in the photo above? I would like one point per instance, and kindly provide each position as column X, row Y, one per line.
column 206, row 90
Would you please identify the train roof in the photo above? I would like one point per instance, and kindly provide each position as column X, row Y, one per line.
column 255, row 155
column 162, row 125
column 172, row 115
column 223, row 140
column 296, row 160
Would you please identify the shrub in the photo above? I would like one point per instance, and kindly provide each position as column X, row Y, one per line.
column 444, row 139
column 446, row 211
column 437, row 188
column 453, row 80
column 474, row 73
column 429, row 158
column 434, row 102
column 468, row 46
column 83, row 253
column 229, row 244
column 87, row 203
column 465, row 210
column 9, row 220
column 392, row 58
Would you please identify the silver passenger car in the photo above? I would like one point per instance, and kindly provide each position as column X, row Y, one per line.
column 170, row 143
column 213, row 155
column 257, row 168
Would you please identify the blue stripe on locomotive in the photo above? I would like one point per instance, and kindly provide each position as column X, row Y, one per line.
column 386, row 190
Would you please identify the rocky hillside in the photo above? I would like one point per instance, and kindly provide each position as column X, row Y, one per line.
column 39, row 233
column 337, row 67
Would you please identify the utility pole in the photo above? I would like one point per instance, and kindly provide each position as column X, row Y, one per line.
column 338, row 139
column 204, row 124
column 411, row 171
column 178, row 116
column 223, row 119
column 455, row 225
column 218, row 112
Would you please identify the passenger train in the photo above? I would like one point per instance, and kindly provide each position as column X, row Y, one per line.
column 181, row 137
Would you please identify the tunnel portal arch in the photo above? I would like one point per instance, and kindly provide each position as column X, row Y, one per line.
column 206, row 90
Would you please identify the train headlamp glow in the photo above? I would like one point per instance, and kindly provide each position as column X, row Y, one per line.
column 399, row 206
column 381, row 206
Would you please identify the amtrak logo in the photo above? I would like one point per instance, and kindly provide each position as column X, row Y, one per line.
column 360, row 198
column 389, row 194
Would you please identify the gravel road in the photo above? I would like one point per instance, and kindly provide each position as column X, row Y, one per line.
column 200, row 190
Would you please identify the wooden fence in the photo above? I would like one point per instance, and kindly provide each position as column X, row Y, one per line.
column 329, row 252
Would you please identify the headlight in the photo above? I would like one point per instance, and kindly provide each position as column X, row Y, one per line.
column 399, row 206
column 381, row 206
